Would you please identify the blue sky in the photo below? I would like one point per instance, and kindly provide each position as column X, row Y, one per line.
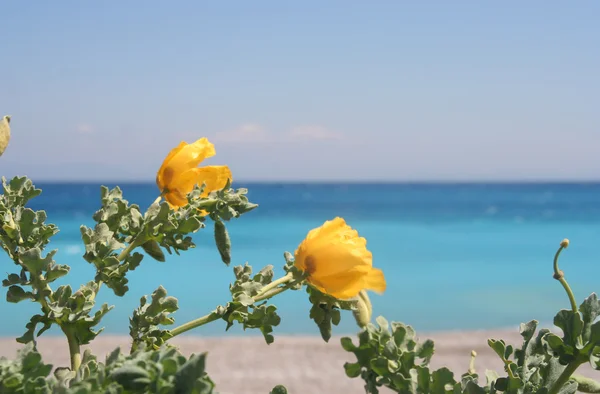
column 305, row 90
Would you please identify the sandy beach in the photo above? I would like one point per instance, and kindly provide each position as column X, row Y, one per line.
column 303, row 364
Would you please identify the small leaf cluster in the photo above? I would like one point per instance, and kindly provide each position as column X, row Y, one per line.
column 243, row 309
column 388, row 354
column 326, row 311
column 144, row 325
column 24, row 234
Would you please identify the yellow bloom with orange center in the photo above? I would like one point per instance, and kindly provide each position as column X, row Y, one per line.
column 179, row 172
column 337, row 261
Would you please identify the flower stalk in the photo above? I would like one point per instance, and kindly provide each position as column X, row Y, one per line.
column 268, row 291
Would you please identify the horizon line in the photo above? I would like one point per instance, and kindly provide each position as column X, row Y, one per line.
column 344, row 182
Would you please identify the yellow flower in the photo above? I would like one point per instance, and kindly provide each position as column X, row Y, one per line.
column 337, row 261
column 179, row 172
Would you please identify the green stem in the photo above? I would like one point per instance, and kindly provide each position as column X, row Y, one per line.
column 134, row 244
column 74, row 349
column 194, row 323
column 564, row 377
column 269, row 294
column 264, row 293
column 567, row 288
column 274, row 284
column 560, row 276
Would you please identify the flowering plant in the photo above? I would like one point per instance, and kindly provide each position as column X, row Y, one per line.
column 332, row 264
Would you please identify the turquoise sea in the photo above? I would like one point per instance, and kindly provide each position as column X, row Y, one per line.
column 456, row 256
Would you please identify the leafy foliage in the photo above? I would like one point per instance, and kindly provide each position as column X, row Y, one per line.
column 144, row 371
column 543, row 364
column 387, row 354
column 325, row 311
column 243, row 309
column 144, row 325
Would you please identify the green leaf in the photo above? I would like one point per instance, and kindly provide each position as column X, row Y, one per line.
column 153, row 249
column 56, row 271
column 144, row 325
column 352, row 370
column 131, row 377
column 347, row 344
column 189, row 375
column 571, row 324
column 31, row 326
column 442, row 380
column 590, row 310
column 16, row 294
column 33, row 261
column 425, row 351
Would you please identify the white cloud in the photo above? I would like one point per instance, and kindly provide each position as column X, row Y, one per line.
column 249, row 132
column 84, row 128
column 313, row 133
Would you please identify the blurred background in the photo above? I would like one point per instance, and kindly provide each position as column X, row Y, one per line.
column 460, row 138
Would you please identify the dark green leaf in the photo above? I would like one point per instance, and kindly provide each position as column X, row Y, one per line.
column 153, row 249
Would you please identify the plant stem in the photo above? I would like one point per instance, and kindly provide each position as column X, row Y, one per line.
column 74, row 349
column 195, row 323
column 134, row 244
column 275, row 283
column 567, row 288
column 560, row 276
column 264, row 293
column 269, row 294
column 565, row 376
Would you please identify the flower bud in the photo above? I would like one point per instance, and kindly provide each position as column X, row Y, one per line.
column 564, row 243
column 4, row 133
column 364, row 310
column 9, row 226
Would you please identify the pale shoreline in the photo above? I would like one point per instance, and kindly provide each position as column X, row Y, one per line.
column 246, row 365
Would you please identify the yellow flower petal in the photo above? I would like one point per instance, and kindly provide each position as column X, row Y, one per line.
column 337, row 261
column 182, row 158
column 179, row 174
column 175, row 199
column 214, row 178
column 161, row 178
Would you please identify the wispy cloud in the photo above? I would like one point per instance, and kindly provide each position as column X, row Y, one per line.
column 313, row 133
column 84, row 128
column 248, row 132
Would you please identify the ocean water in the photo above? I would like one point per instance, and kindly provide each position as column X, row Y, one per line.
column 456, row 256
